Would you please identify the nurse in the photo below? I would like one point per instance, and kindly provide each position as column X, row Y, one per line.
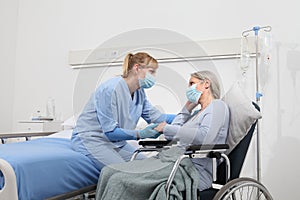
column 110, row 116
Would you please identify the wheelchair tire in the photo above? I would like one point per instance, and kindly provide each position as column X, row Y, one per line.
column 243, row 189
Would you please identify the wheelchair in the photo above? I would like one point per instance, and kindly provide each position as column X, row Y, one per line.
column 227, row 185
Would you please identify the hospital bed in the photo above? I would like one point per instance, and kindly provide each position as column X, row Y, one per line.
column 45, row 168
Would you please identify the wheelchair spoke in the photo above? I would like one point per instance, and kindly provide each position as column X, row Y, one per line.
column 261, row 195
column 243, row 189
column 247, row 193
column 241, row 193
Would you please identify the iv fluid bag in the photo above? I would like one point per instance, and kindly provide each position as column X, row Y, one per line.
column 266, row 49
column 50, row 109
column 265, row 61
column 268, row 40
column 245, row 54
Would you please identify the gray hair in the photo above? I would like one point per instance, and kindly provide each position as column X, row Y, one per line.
column 212, row 78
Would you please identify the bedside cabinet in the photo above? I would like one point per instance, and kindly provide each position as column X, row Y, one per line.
column 40, row 125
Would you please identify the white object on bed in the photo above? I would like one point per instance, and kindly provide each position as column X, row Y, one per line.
column 242, row 115
column 9, row 191
column 69, row 123
column 68, row 126
column 62, row 134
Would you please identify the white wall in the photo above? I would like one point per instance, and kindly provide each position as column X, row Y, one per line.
column 35, row 65
column 8, row 31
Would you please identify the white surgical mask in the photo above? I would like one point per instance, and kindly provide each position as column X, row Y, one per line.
column 192, row 94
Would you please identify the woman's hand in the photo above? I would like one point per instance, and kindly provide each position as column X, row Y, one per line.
column 160, row 127
column 190, row 106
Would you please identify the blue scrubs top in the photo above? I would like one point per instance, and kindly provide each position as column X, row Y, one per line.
column 111, row 106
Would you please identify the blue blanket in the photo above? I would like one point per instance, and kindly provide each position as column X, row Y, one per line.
column 47, row 167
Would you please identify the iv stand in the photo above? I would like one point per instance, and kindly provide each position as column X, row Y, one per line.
column 256, row 29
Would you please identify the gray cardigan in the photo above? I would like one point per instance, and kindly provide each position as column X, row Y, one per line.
column 209, row 126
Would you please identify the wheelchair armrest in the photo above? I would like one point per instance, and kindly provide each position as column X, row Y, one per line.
column 153, row 145
column 213, row 151
column 157, row 143
column 206, row 147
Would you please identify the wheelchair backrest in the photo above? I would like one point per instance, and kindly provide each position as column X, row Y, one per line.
column 236, row 156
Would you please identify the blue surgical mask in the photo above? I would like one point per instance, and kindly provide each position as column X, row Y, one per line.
column 192, row 94
column 147, row 82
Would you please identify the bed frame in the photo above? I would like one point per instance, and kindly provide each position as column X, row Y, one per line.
column 9, row 191
column 26, row 135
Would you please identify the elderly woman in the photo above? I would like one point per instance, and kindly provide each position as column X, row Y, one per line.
column 145, row 179
column 208, row 125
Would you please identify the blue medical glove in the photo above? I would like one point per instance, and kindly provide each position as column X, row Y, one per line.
column 170, row 118
column 149, row 132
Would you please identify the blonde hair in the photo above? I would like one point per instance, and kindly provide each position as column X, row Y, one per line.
column 140, row 58
column 214, row 82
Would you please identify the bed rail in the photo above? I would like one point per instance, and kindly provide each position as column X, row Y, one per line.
column 26, row 135
column 9, row 191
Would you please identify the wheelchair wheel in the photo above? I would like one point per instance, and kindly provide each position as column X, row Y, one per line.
column 243, row 189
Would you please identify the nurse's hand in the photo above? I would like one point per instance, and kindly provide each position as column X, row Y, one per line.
column 160, row 127
column 149, row 132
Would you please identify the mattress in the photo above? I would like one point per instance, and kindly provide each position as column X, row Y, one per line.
column 46, row 167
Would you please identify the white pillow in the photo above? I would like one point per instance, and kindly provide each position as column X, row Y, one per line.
column 242, row 115
column 62, row 134
column 69, row 123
